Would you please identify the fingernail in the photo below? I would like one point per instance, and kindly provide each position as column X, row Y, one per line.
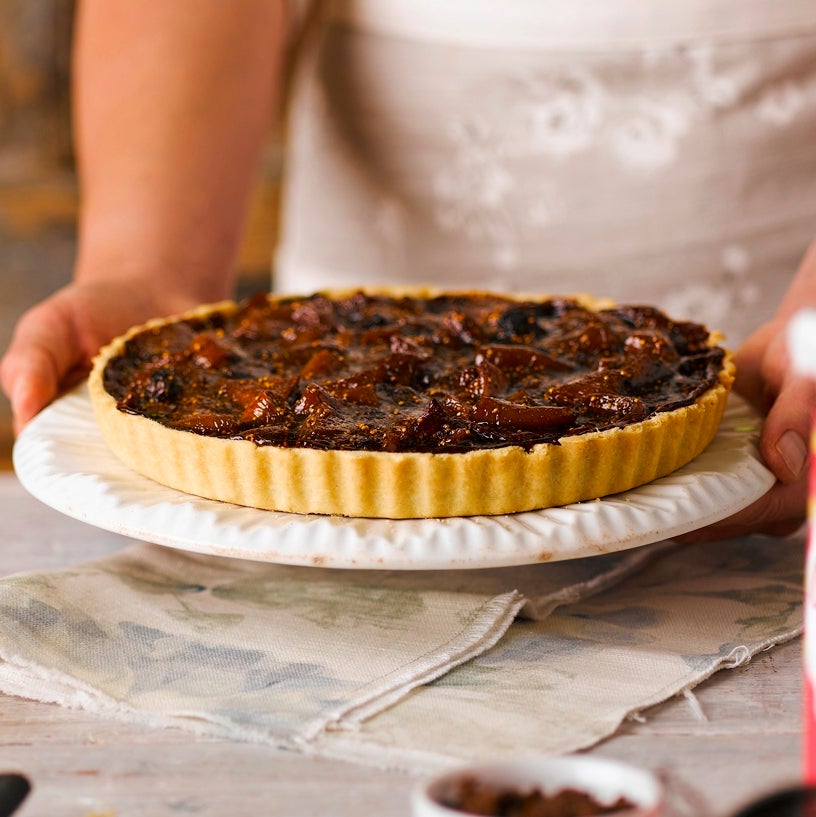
column 793, row 450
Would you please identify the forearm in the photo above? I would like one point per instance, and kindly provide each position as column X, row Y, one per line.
column 172, row 105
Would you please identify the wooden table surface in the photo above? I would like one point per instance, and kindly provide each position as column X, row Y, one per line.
column 741, row 742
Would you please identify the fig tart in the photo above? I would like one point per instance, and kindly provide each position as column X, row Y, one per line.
column 403, row 404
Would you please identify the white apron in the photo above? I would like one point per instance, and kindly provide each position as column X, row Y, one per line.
column 660, row 153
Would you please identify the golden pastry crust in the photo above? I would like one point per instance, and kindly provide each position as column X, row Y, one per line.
column 406, row 484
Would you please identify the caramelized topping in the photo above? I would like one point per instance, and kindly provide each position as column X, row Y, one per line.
column 449, row 373
column 477, row 798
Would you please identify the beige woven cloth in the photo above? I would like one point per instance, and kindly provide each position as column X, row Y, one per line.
column 408, row 670
column 566, row 682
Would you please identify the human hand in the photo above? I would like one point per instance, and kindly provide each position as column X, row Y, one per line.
column 54, row 342
column 765, row 377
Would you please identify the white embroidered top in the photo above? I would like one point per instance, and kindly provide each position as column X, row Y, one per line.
column 654, row 153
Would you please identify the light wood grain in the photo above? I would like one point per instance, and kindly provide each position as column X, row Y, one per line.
column 86, row 766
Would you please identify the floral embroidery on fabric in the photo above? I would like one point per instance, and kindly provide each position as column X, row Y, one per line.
column 728, row 289
column 558, row 121
column 472, row 192
column 647, row 134
column 713, row 86
column 558, row 114
column 781, row 103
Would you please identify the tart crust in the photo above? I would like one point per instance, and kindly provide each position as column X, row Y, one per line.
column 406, row 484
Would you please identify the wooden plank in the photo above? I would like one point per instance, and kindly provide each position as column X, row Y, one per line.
column 207, row 779
column 30, row 207
column 35, row 45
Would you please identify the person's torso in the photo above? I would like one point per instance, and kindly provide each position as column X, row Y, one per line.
column 547, row 145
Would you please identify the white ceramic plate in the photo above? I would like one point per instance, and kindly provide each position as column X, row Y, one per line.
column 62, row 460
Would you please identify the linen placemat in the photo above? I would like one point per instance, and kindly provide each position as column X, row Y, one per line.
column 258, row 651
column 564, row 683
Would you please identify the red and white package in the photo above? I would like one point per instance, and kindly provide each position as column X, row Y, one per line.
column 802, row 347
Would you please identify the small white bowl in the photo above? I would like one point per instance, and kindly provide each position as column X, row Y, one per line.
column 604, row 780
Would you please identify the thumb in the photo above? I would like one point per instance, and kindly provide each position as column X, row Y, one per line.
column 786, row 431
column 42, row 350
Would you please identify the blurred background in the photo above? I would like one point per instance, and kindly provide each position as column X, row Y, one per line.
column 38, row 191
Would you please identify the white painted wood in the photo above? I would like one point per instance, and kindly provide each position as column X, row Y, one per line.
column 85, row 766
